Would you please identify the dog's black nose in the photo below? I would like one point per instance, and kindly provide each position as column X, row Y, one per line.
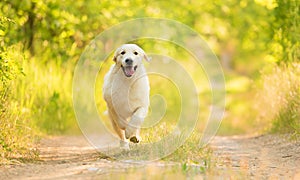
column 128, row 61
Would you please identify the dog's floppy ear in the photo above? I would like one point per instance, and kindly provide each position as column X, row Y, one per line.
column 116, row 54
column 146, row 57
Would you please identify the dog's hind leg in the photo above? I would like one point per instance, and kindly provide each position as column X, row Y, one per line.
column 124, row 144
column 132, row 131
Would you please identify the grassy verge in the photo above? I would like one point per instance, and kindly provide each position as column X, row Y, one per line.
column 189, row 159
column 35, row 99
column 279, row 104
column 16, row 129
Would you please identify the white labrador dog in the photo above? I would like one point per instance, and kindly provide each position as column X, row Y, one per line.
column 126, row 92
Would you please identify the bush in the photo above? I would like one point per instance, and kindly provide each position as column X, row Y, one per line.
column 16, row 134
column 279, row 100
column 34, row 98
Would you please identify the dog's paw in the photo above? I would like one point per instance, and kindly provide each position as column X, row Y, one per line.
column 135, row 139
column 132, row 134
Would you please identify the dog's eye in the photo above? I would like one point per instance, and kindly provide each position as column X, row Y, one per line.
column 123, row 52
column 135, row 53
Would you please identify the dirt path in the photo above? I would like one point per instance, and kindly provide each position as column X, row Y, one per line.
column 72, row 157
column 238, row 157
column 261, row 157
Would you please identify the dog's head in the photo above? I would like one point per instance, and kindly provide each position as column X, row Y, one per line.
column 129, row 57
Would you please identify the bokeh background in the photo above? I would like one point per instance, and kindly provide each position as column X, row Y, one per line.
column 256, row 41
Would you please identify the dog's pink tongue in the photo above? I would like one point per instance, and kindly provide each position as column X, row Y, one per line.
column 129, row 70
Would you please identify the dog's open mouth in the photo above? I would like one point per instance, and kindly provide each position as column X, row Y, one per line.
column 129, row 70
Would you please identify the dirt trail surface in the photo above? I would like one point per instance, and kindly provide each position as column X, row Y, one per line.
column 260, row 157
column 72, row 157
column 238, row 157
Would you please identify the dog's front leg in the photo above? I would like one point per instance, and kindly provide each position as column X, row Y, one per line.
column 132, row 131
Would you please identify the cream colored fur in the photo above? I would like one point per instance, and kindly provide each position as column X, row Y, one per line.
column 127, row 98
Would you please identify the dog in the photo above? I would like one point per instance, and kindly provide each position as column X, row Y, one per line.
column 126, row 92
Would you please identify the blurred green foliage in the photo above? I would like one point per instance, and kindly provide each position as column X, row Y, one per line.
column 61, row 29
column 41, row 41
column 286, row 31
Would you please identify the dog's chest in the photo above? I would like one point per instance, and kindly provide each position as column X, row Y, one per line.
column 127, row 96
